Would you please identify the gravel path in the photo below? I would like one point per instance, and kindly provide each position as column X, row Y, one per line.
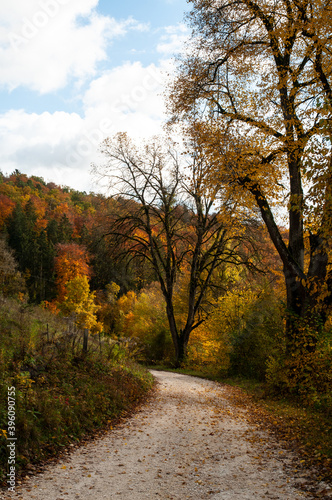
column 188, row 442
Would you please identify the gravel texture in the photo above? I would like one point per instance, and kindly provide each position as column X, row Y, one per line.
column 187, row 442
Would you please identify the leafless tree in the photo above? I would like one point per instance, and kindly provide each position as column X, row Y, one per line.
column 164, row 215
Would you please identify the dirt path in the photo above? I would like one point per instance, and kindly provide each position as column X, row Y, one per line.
column 189, row 442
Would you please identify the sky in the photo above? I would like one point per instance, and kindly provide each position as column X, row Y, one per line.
column 74, row 72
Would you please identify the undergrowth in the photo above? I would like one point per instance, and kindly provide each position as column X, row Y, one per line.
column 61, row 392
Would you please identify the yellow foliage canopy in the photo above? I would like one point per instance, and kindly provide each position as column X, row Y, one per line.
column 80, row 301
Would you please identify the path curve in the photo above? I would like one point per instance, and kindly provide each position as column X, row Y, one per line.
column 188, row 442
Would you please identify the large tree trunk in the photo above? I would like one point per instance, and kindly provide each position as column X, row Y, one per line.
column 307, row 299
column 180, row 339
column 307, row 293
column 179, row 346
column 296, row 297
column 181, row 352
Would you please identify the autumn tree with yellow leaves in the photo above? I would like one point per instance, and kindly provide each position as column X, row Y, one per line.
column 74, row 296
column 72, row 260
column 166, row 217
column 253, row 91
column 79, row 301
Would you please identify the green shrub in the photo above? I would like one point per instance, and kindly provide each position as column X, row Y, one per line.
column 304, row 375
column 257, row 338
column 144, row 321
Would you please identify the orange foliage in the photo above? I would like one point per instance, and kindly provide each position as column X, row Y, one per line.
column 6, row 208
column 72, row 260
column 51, row 306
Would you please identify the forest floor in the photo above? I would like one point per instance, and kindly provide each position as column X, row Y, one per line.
column 191, row 440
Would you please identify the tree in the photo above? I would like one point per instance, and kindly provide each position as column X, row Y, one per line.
column 74, row 295
column 72, row 260
column 80, row 302
column 105, row 269
column 166, row 218
column 143, row 317
column 255, row 92
column 108, row 313
column 11, row 281
column 33, row 251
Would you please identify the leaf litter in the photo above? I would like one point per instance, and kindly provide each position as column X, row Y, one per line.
column 191, row 441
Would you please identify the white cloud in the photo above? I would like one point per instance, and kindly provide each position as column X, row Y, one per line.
column 38, row 144
column 127, row 89
column 172, row 42
column 127, row 98
column 45, row 43
column 61, row 146
column 59, row 41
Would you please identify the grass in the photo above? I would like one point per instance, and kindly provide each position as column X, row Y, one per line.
column 61, row 394
column 300, row 428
